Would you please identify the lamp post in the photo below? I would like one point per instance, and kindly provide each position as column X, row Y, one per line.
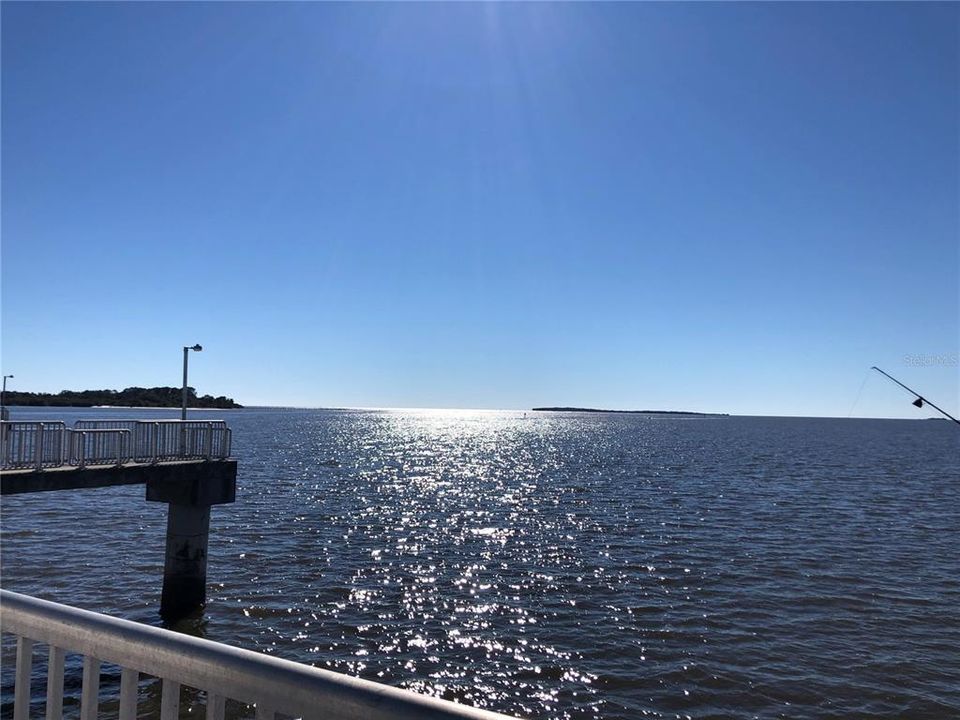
column 186, row 351
column 3, row 394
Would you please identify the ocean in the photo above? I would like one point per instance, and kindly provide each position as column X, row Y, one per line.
column 545, row 565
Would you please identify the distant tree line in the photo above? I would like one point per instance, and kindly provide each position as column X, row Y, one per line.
column 130, row 397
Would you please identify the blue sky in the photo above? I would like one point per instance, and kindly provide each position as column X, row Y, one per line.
column 718, row 207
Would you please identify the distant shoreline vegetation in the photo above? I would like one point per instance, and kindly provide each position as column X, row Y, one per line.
column 157, row 397
column 628, row 412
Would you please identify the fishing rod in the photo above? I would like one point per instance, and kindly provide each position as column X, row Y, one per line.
column 920, row 399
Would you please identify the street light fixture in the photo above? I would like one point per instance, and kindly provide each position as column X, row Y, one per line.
column 183, row 406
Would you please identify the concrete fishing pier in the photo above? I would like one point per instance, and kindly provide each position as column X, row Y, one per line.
column 185, row 464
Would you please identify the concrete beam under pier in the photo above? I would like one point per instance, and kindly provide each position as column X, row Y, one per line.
column 183, row 482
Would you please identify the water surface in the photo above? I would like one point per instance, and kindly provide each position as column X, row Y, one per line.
column 557, row 565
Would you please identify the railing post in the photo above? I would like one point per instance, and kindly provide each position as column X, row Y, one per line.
column 38, row 448
column 90, row 693
column 21, row 694
column 128, row 693
column 55, row 683
column 62, row 445
column 170, row 700
column 215, row 706
column 156, row 442
column 209, row 443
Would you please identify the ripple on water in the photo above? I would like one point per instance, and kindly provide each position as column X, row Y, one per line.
column 565, row 566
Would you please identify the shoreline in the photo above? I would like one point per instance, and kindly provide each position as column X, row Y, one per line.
column 629, row 412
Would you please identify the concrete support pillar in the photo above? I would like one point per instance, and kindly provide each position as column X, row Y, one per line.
column 185, row 566
column 189, row 495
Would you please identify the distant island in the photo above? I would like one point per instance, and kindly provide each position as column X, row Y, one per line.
column 628, row 412
column 156, row 397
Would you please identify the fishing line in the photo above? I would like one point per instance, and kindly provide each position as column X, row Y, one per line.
column 866, row 376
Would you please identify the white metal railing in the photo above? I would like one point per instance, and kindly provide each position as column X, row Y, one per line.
column 96, row 447
column 222, row 672
column 40, row 445
column 158, row 440
column 32, row 444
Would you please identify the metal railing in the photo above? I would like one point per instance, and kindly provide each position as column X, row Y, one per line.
column 223, row 672
column 97, row 447
column 32, row 444
column 158, row 440
column 41, row 445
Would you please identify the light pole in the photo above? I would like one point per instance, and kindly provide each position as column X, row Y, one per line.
column 183, row 406
column 3, row 394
